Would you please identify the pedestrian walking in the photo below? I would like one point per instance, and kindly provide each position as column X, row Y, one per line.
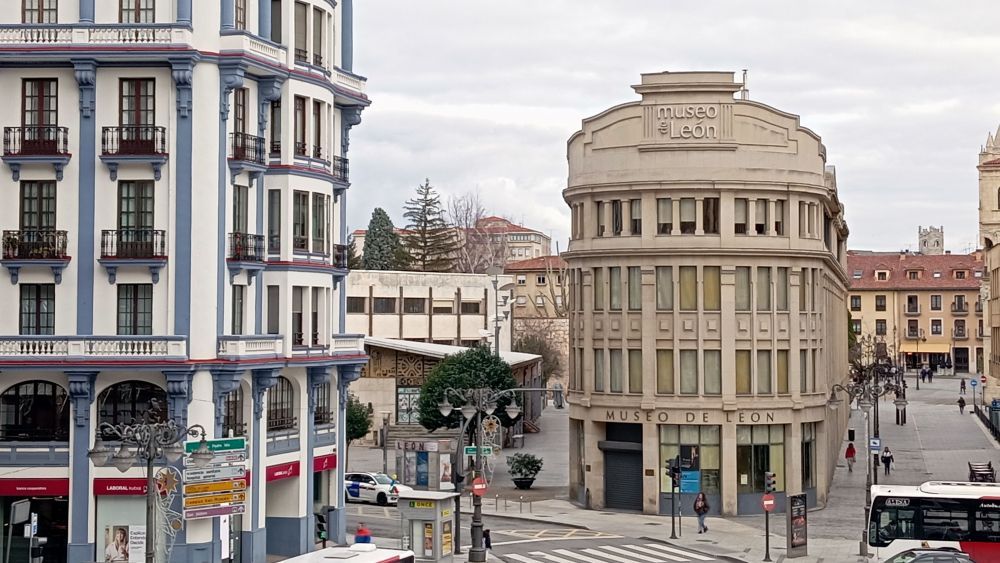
column 487, row 540
column 930, row 375
column 362, row 534
column 701, row 509
column 887, row 459
column 961, row 405
column 850, row 455
column 923, row 374
column 961, row 387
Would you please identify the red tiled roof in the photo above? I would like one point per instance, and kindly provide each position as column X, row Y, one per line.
column 494, row 224
column 536, row 264
column 865, row 264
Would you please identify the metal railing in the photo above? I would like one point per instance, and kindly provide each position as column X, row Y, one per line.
column 133, row 243
column 301, row 148
column 276, row 147
column 244, row 146
column 285, row 423
column 318, row 60
column 984, row 417
column 134, row 140
column 36, row 140
column 30, row 244
column 959, row 308
column 301, row 56
column 341, row 252
column 245, row 247
column 341, row 168
column 317, row 152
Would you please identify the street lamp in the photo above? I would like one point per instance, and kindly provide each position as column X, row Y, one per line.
column 147, row 443
column 867, row 388
column 920, row 338
column 495, row 272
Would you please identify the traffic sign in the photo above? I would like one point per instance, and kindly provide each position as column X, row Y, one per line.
column 486, row 450
column 214, row 473
column 198, row 513
column 206, row 501
column 767, row 501
column 220, row 458
column 215, row 487
column 973, row 383
column 479, row 486
column 220, row 445
column 982, row 379
column 874, row 444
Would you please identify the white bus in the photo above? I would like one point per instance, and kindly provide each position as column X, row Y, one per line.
column 357, row 553
column 938, row 514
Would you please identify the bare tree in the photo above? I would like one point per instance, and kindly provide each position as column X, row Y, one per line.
column 558, row 286
column 478, row 248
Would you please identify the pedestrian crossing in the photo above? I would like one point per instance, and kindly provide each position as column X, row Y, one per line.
column 631, row 553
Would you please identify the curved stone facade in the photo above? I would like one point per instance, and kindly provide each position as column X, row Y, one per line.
column 708, row 305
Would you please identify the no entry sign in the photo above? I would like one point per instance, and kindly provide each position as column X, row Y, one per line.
column 479, row 486
column 767, row 501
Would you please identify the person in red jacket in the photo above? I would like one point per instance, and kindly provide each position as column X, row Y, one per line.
column 850, row 455
column 363, row 534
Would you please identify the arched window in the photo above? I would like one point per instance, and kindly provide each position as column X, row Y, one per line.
column 232, row 419
column 131, row 401
column 324, row 414
column 281, row 406
column 34, row 411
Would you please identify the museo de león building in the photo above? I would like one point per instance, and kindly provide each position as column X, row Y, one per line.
column 708, row 306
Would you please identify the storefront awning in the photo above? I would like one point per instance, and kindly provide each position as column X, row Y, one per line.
column 925, row 347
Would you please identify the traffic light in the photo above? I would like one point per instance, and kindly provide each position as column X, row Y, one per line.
column 674, row 470
column 769, row 482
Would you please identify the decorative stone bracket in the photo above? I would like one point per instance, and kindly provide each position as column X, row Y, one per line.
column 231, row 78
column 81, row 392
column 224, row 381
column 178, row 394
column 263, row 379
column 350, row 116
column 268, row 90
column 183, row 75
column 346, row 374
column 318, row 376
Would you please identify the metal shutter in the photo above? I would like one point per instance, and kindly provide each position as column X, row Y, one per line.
column 623, row 480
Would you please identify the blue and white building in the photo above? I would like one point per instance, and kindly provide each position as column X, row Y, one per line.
column 174, row 187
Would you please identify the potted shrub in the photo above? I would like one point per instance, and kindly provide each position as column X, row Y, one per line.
column 523, row 468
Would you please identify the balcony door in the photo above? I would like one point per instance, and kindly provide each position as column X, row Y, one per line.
column 137, row 115
column 135, row 219
column 241, row 145
column 136, row 11
column 37, row 237
column 39, row 115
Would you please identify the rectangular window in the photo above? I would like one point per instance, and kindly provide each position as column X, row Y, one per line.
column 298, row 322
column 319, row 21
column 598, row 289
column 444, row 307
column 135, row 309
column 241, row 208
column 319, row 223
column 616, row 371
column 384, row 305
column 740, row 216
column 804, row 371
column 665, row 372
column 616, row 217
column 664, row 216
column 241, row 14
column 880, row 327
column 635, row 371
column 300, row 220
column 240, row 113
column 698, row 447
column 803, row 289
column 136, row 11
column 38, row 309
column 40, row 108
column 137, row 107
column 856, row 326
column 356, row 304
column 135, row 218
column 779, row 217
column 743, row 372
column 688, row 220
column 635, row 216
column 601, row 209
column 913, row 275
column 855, row 302
column 598, row 370
column 710, row 215
column 414, row 305
column 763, row 289
column 913, row 304
column 664, row 288
column 38, row 206
column 935, row 326
column 273, row 309
column 317, row 131
column 39, row 11
column 239, row 295
column 301, row 32
column 275, row 149
column 935, row 302
column 760, row 216
column 808, row 454
column 689, row 288
column 713, row 372
column 743, row 288
column 314, row 317
column 712, row 288
column 689, row 372
column 275, row 20
column 759, row 448
column 615, row 287
column 634, row 288
column 880, row 303
column 274, row 220
column 781, row 359
column 475, row 307
column 764, row 372
column 300, row 126
column 912, row 328
column 781, row 290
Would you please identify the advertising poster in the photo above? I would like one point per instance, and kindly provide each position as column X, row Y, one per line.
column 797, row 526
column 124, row 543
column 690, row 481
column 445, row 470
column 422, row 469
column 428, row 539
column 690, row 460
column 446, row 546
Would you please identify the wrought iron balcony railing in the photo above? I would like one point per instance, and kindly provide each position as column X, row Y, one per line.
column 245, row 247
column 249, row 148
column 133, row 243
column 340, row 168
column 33, row 244
column 36, row 140
column 301, row 56
column 134, row 140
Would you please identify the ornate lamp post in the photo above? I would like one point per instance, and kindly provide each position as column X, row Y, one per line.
column 147, row 443
column 498, row 303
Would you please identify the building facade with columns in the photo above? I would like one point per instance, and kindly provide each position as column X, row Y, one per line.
column 176, row 175
column 708, row 303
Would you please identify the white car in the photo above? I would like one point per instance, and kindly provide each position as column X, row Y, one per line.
column 373, row 487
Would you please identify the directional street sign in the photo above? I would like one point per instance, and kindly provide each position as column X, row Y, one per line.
column 220, row 445
column 874, row 444
column 207, row 501
column 215, row 487
column 224, row 457
column 486, row 450
column 214, row 473
column 197, row 513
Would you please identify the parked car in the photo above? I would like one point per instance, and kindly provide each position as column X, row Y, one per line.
column 931, row 556
column 373, row 487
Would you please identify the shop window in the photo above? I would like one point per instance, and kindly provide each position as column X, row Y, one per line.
column 664, row 216
column 808, row 455
column 129, row 402
column 759, row 449
column 665, row 372
column 698, row 448
column 34, row 411
column 664, row 288
column 281, row 406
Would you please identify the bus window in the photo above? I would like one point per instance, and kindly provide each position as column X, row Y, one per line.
column 890, row 524
column 949, row 523
column 987, row 524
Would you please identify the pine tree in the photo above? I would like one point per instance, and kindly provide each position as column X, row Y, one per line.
column 382, row 248
column 431, row 241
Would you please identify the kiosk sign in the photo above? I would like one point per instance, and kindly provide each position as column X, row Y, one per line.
column 797, row 535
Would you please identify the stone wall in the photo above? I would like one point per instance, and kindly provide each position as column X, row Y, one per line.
column 556, row 331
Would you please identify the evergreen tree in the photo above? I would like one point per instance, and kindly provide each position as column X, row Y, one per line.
column 359, row 421
column 382, row 249
column 353, row 260
column 475, row 368
column 431, row 241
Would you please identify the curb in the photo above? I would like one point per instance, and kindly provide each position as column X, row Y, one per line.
column 536, row 518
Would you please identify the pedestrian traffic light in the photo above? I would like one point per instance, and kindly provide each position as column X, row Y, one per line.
column 674, row 470
column 769, row 482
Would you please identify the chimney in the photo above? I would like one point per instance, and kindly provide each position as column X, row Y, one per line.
column 947, row 252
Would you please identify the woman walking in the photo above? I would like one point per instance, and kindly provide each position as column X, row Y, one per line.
column 701, row 509
column 961, row 405
column 850, row 455
column 887, row 459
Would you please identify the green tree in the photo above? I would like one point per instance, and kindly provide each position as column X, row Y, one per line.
column 533, row 341
column 383, row 249
column 475, row 368
column 353, row 260
column 359, row 421
column 430, row 240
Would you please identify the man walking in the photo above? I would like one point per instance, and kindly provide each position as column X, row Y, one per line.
column 961, row 387
column 887, row 459
column 961, row 405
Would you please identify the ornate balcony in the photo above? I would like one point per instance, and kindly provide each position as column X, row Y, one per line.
column 239, row 347
column 959, row 334
column 37, row 144
column 341, row 253
column 913, row 310
column 131, row 144
column 959, row 308
column 341, row 168
column 93, row 347
column 245, row 252
column 133, row 247
column 15, row 35
column 31, row 247
column 246, row 154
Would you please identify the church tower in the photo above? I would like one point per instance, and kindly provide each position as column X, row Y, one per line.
column 989, row 191
column 931, row 240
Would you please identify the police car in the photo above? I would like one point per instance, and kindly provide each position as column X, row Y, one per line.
column 373, row 487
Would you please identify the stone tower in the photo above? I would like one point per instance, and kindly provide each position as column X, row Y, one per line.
column 931, row 240
column 989, row 191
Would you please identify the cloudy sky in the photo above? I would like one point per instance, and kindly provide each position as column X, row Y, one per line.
column 482, row 96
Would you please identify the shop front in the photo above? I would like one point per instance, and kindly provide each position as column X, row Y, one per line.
column 50, row 501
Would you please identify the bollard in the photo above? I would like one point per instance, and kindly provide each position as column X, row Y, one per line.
column 505, row 503
column 496, row 503
column 531, row 509
column 521, row 505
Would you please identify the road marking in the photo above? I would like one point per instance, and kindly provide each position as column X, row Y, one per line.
column 522, row 558
column 515, row 542
column 630, row 553
column 550, row 557
column 584, row 558
column 679, row 552
column 598, row 553
column 641, row 549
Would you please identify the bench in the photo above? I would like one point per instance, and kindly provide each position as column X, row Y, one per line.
column 982, row 472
